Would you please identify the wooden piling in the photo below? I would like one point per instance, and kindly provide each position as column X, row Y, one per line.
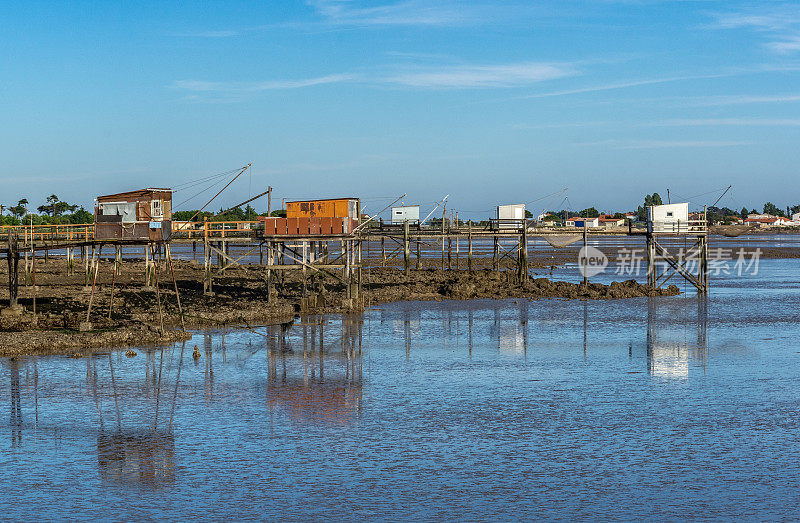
column 406, row 249
column 469, row 245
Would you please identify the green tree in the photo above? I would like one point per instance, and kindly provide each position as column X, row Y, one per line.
column 649, row 199
column 591, row 212
column 19, row 210
column 81, row 216
column 771, row 208
column 744, row 213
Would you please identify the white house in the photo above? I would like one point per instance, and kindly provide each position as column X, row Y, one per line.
column 577, row 221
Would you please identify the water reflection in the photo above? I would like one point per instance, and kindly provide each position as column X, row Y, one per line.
column 672, row 345
column 136, row 444
column 320, row 382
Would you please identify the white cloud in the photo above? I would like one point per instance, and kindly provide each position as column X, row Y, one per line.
column 476, row 76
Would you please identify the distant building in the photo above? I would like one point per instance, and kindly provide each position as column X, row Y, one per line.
column 767, row 220
column 577, row 221
column 608, row 221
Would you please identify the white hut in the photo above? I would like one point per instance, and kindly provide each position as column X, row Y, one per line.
column 673, row 217
column 405, row 213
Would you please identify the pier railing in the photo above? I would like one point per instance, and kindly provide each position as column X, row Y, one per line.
column 679, row 227
column 208, row 229
column 65, row 232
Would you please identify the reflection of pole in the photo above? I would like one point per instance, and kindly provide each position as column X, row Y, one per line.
column 114, row 385
column 470, row 333
column 16, row 407
column 175, row 394
column 585, row 255
column 585, row 328
column 651, row 331
column 158, row 389
column 702, row 327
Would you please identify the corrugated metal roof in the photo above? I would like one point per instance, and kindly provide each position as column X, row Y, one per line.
column 322, row 200
column 132, row 194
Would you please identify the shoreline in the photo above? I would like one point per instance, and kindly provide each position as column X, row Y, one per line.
column 239, row 301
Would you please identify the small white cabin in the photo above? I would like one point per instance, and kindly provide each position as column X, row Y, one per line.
column 405, row 213
column 514, row 211
column 673, row 217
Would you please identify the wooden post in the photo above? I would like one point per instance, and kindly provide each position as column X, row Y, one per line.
column 96, row 265
column 207, row 281
column 346, row 252
column 406, row 249
column 443, row 218
column 469, row 245
column 523, row 253
column 419, row 254
column 585, row 254
column 304, row 245
column 358, row 270
column 13, row 269
column 383, row 248
column 449, row 252
column 33, row 277
column 118, row 261
column 496, row 253
column 651, row 270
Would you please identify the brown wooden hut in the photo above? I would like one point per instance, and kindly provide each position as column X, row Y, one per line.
column 144, row 215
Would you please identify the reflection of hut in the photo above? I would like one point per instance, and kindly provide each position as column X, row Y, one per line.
column 316, row 401
column 136, row 458
column 145, row 214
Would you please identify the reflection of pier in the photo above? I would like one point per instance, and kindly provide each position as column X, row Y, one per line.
column 131, row 446
column 147, row 458
column 320, row 382
column 670, row 351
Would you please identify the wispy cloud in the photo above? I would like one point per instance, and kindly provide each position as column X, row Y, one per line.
column 201, row 86
column 714, row 101
column 626, row 85
column 733, row 122
column 428, row 77
column 409, row 12
column 664, row 144
column 780, row 23
column 476, row 76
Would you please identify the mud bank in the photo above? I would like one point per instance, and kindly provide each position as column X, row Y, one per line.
column 239, row 300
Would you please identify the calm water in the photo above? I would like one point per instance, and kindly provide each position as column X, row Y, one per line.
column 665, row 408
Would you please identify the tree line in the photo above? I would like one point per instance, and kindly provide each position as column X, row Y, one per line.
column 53, row 212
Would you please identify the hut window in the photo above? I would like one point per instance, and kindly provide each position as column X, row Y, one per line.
column 156, row 208
column 669, row 214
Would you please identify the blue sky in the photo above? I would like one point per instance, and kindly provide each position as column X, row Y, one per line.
column 491, row 102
